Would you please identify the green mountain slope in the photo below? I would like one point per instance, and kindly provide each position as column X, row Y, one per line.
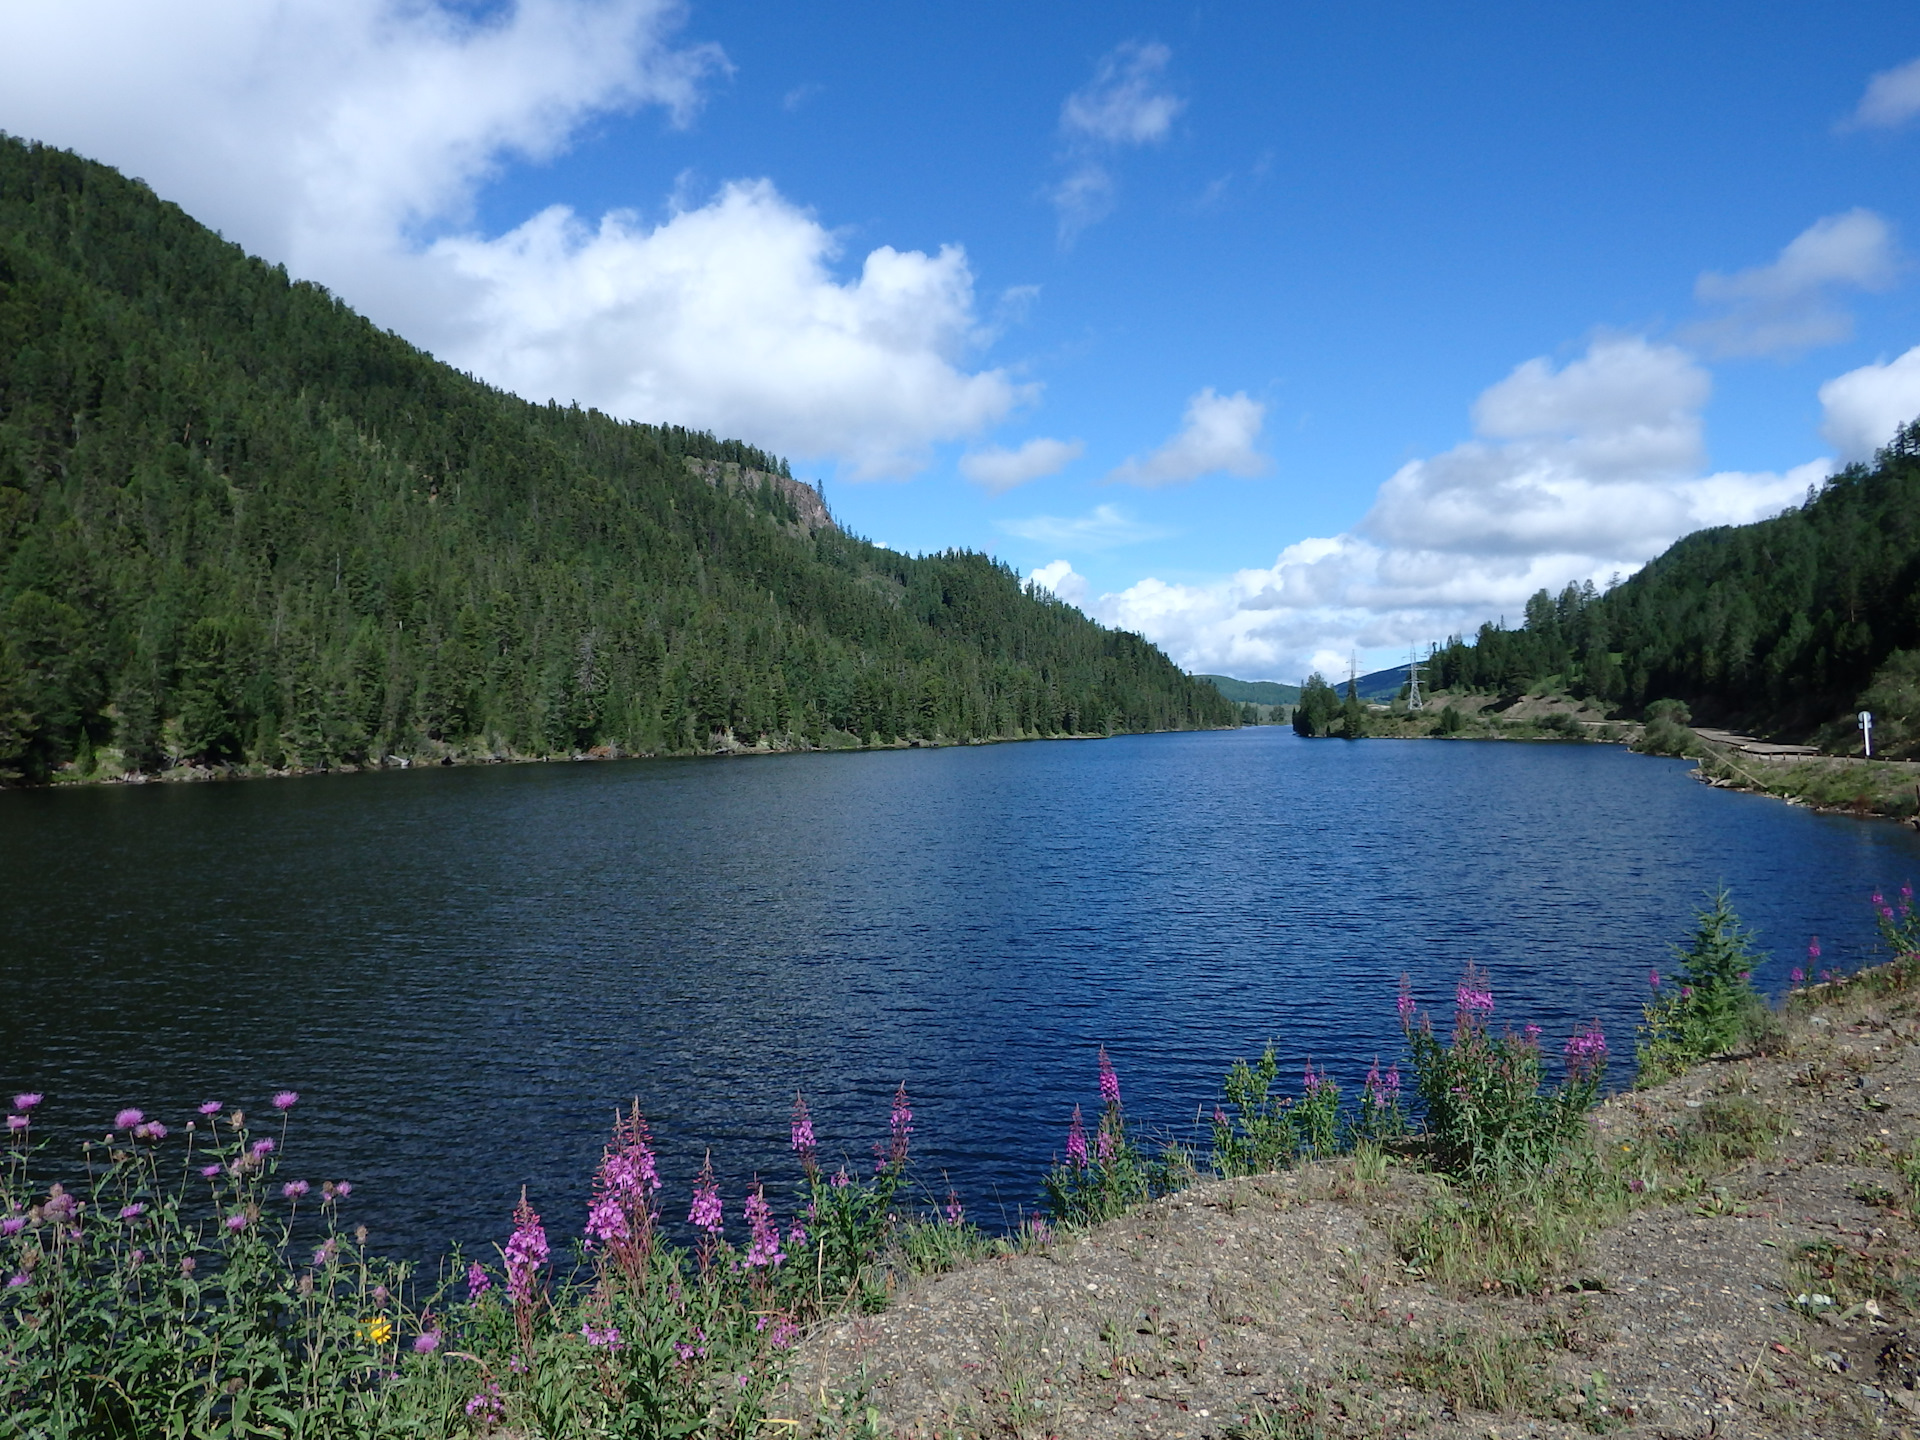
column 241, row 524
column 1253, row 692
column 1786, row 625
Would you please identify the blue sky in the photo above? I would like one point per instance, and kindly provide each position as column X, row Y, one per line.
column 1323, row 328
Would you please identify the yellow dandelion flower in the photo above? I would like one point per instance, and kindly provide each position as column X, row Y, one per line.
column 377, row 1330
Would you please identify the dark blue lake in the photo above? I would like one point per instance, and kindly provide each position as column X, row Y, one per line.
column 463, row 972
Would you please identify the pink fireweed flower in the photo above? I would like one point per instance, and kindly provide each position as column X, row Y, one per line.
column 841, row 1179
column 1531, row 1033
column 1109, row 1081
column 1405, row 1003
column 1220, row 1116
column 1473, row 995
column 132, row 1212
column 763, row 1250
column 478, row 1281
column 526, row 1252
column 211, row 1107
column 955, row 1211
column 1077, row 1140
column 1586, row 1051
column 27, row 1100
column 1813, row 948
column 608, row 1338
column 127, row 1119
column 1653, row 979
column 294, row 1189
column 621, row 1209
column 1797, row 975
column 1103, row 1145
column 487, row 1407
column 900, row 1123
column 785, row 1332
column 796, row 1234
column 1393, row 1081
column 286, row 1099
column 707, row 1213
column 803, row 1143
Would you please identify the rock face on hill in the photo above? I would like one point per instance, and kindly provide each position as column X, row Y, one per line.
column 1770, row 1297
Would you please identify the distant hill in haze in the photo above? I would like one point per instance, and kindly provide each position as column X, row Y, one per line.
column 1253, row 692
column 242, row 525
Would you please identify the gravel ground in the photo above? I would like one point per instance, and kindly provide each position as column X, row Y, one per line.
column 1279, row 1306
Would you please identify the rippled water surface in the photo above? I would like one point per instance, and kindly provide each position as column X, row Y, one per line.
column 464, row 971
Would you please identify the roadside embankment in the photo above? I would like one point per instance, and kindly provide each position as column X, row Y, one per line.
column 1802, row 776
column 1755, row 1275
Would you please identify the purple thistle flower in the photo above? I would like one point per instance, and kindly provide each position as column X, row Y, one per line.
column 1077, row 1140
column 127, row 1119
column 187, row 1264
column 323, row 1257
column 152, row 1130
column 133, row 1211
column 1109, row 1081
column 426, row 1342
column 286, row 1099
column 236, row 1223
column 478, row 1281
column 12, row 1226
column 343, row 1189
column 262, row 1148
column 27, row 1100
column 208, row 1172
column 138, row 1257
column 18, row 1279
column 211, row 1107
column 707, row 1213
column 294, row 1189
column 526, row 1252
column 763, row 1250
column 17, row 1123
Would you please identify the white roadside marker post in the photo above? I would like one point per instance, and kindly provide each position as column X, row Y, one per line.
column 1866, row 731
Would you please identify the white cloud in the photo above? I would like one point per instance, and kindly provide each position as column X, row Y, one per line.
column 1788, row 305
column 1864, row 407
column 1061, row 579
column 1125, row 104
column 1577, row 473
column 727, row 316
column 1892, row 98
column 1218, row 435
column 1000, row 469
column 342, row 136
column 1103, row 528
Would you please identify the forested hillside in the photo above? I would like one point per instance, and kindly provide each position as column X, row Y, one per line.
column 1786, row 625
column 241, row 524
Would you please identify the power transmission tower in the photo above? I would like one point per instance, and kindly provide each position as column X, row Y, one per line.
column 1414, row 669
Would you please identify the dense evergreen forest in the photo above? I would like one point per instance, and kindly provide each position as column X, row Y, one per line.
column 239, row 524
column 1786, row 625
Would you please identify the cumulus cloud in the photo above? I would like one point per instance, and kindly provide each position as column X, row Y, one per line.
column 1218, row 435
column 1865, row 407
column 1788, row 305
column 1000, row 469
column 351, row 138
column 1102, row 528
column 1061, row 579
column 1577, row 472
column 1892, row 98
column 1125, row 104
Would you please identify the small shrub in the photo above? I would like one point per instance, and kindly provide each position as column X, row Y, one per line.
column 1487, row 1117
column 1711, row 1006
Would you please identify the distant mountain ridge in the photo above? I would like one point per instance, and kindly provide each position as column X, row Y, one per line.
column 242, row 526
column 1253, row 692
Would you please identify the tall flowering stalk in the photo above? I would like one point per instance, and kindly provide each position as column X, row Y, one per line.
column 1382, row 1116
column 707, row 1214
column 803, row 1141
column 1103, row 1175
column 621, row 1219
column 525, row 1254
column 1488, row 1119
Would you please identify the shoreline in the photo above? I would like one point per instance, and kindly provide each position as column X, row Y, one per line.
column 69, row 778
